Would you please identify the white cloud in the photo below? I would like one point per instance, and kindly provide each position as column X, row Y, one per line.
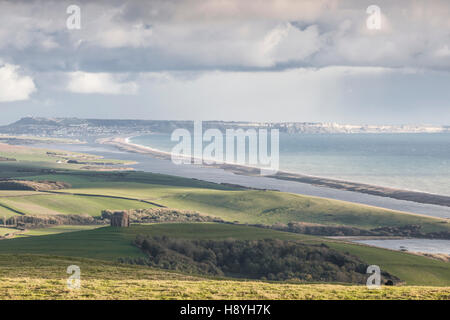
column 118, row 37
column 443, row 52
column 13, row 86
column 287, row 43
column 104, row 83
column 111, row 30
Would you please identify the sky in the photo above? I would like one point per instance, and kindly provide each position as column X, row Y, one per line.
column 258, row 60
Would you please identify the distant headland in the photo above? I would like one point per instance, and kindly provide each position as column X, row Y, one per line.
column 66, row 127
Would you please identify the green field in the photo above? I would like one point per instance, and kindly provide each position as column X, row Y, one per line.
column 6, row 213
column 412, row 268
column 67, row 204
column 110, row 243
column 270, row 207
column 4, row 231
column 113, row 243
column 244, row 206
column 29, row 157
column 45, row 231
column 56, row 230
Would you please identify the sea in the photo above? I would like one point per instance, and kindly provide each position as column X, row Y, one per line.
column 414, row 245
column 408, row 161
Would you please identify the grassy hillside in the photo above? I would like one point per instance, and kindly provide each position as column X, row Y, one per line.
column 109, row 243
column 44, row 277
column 245, row 206
column 6, row 213
column 404, row 265
column 55, row 230
column 269, row 207
column 43, row 203
column 4, row 231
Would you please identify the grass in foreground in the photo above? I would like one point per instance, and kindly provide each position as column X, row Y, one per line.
column 44, row 277
column 110, row 243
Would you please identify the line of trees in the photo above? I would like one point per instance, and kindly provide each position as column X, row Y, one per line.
column 42, row 221
column 161, row 215
column 268, row 259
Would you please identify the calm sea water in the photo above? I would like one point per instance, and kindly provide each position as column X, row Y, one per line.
column 415, row 245
column 407, row 161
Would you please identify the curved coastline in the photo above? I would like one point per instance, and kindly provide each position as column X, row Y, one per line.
column 124, row 144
